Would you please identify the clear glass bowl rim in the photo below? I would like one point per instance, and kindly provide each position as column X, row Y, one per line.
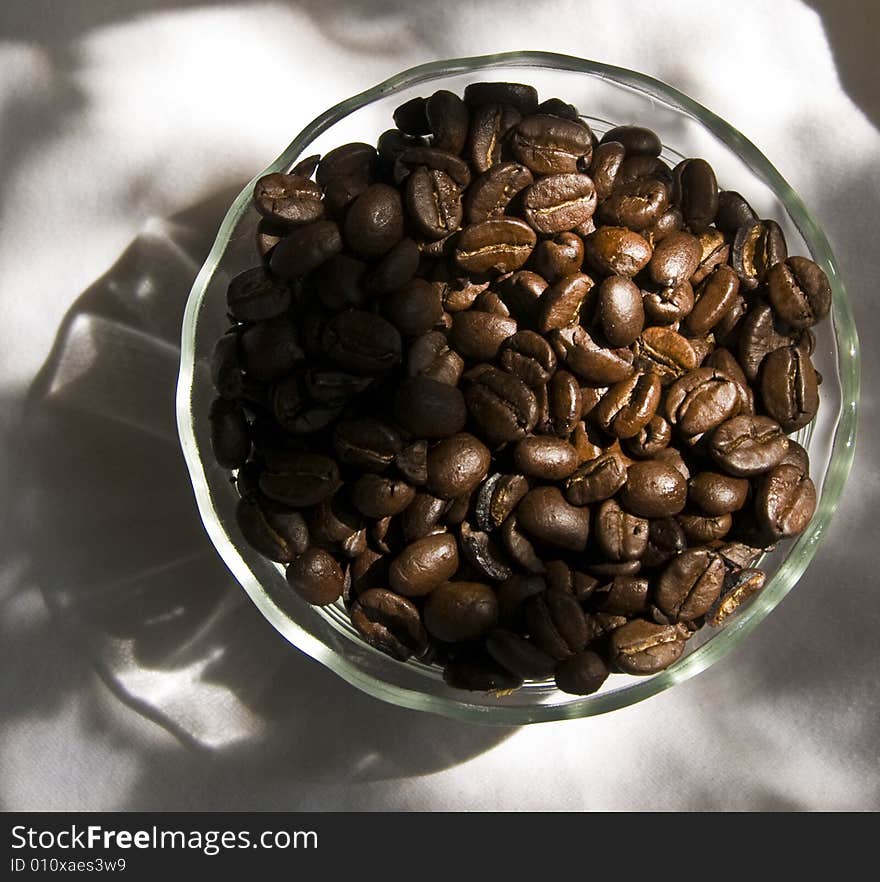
column 800, row 554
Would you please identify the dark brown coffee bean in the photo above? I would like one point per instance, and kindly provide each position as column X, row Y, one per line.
column 748, row 445
column 355, row 160
column 278, row 532
column 427, row 408
column 412, row 462
column 377, row 497
column 305, row 249
column 415, row 308
column 499, row 246
column 339, row 282
column 620, row 310
column 479, row 335
column 316, row 577
column 482, row 553
column 436, row 160
column 785, row 501
column 665, row 540
column 519, row 655
column 253, row 296
column 390, row 623
column 423, row 565
column 701, row 400
column 550, row 145
column 423, row 516
column 664, row 352
column 491, row 193
column 642, row 647
column 561, row 577
column 297, row 412
column 623, row 596
column 627, row 407
column 653, row 489
column 713, row 299
column 717, row 494
column 490, row 123
column 565, row 404
column 545, row 457
column 502, row 405
column 605, row 166
column 366, row 443
column 433, row 201
column 562, row 303
column 757, row 247
column 733, row 212
column 448, row 119
column 288, row 200
column 635, row 204
column 690, row 584
column 653, row 437
column 362, row 342
column 558, row 107
column 521, row 292
column 374, row 223
column 799, row 292
column 479, row 673
column 598, row 365
column 704, row 529
column 581, row 674
column 617, row 251
column 457, row 465
column 637, row 140
column 696, row 191
column 667, row 306
column 757, row 338
column 796, row 456
column 430, row 356
column 596, row 480
column 411, row 117
column 512, row 595
column 675, row 259
column 559, row 202
column 556, row 623
column 519, row 547
column 395, row 269
column 739, row 587
column 621, row 536
column 789, row 388
column 226, row 367
column 529, row 356
column 306, row 166
column 299, row 479
column 497, row 498
column 523, row 97
column 230, row 438
column 547, row 517
column 461, row 611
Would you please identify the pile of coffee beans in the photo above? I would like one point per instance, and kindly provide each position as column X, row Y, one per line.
column 518, row 396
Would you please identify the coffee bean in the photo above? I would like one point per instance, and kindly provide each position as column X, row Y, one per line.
column 636, row 140
column 427, row 408
column 665, row 353
column 254, row 296
column 635, row 204
column 701, row 400
column 305, row 249
column 666, row 539
column 713, row 299
column 620, row 536
column 739, row 588
column 799, row 291
column 757, row 247
column 502, row 405
column 288, row 200
column 362, row 342
column 558, row 107
column 529, row 356
column 696, row 191
column 479, row 674
column 348, row 161
column 491, row 193
column 396, row 268
column 448, row 120
column 562, row 303
column 479, row 335
column 423, row 565
column 789, row 388
column 596, row 364
column 547, row 517
column 366, row 443
column 653, row 489
column 623, row 596
column 733, row 212
column 675, row 259
column 565, row 403
column 550, row 145
column 519, row 95
column 415, row 308
column 642, row 647
column 482, row 553
column 605, row 166
column 457, row 611
column 519, row 655
column 411, row 117
column 230, row 439
column 499, row 246
column 513, row 594
column 627, row 407
column 551, row 459
column 690, row 584
column 560, row 256
column 620, row 310
column 457, row 465
column 717, row 494
column 299, row 479
column 617, row 251
column 316, row 577
column 581, row 674
column 596, row 480
column 390, row 623
column 757, row 338
column 667, row 306
column 748, row 445
column 433, row 201
column 653, row 437
column 705, row 529
column 490, row 123
column 374, row 224
column 278, row 532
column 375, row 496
column 521, row 292
column 430, row 356
column 559, row 202
column 785, row 501
column 497, row 498
column 557, row 624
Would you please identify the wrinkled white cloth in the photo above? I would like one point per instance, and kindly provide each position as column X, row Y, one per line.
column 134, row 674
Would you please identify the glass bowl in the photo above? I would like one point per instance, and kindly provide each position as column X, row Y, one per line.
column 606, row 96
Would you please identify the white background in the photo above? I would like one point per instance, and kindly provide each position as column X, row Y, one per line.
column 133, row 675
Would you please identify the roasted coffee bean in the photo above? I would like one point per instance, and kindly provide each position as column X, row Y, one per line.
column 635, row 204
column 558, row 107
column 230, row 439
column 653, row 437
column 623, row 596
column 643, row 647
column 415, row 308
column 348, row 161
column 714, row 297
column 636, row 140
column 519, row 655
column 561, row 577
column 433, row 201
column 411, row 117
column 796, row 456
column 482, row 553
column 491, row 193
column 502, row 405
column 547, row 517
column 665, row 353
column 529, row 356
column 605, row 166
column 226, row 368
column 333, row 388
column 596, row 364
column 704, row 529
column 335, row 527
column 339, row 282
column 497, row 498
column 299, row 479
column 305, row 249
column 565, row 403
column 374, row 224
column 617, row 251
column 799, row 292
column 395, row 269
column 621, row 536
column 653, row 489
column 756, row 248
column 362, row 342
column 627, row 407
column 757, row 338
column 390, row 623
column 375, row 496
column 513, row 594
column 278, row 532
column 675, row 259
column 667, row 306
column 366, row 443
column 701, row 400
column 297, row 412
column 423, row 516
column 447, row 117
column 562, row 303
column 306, row 167
column 733, row 212
column 690, row 584
column 423, row 565
column 550, row 145
column 479, row 673
column 665, row 540
column 789, row 388
column 490, row 123
column 427, row 408
column 739, row 587
column 785, row 501
column 560, row 256
column 288, row 200
column 519, row 547
column 457, row 465
column 717, row 494
column 521, row 292
column 551, row 459
column 715, row 252
column 498, row 246
column 412, row 462
column 457, row 611
column 746, row 445
column 559, row 202
column 596, row 480
column 557, row 624
column 254, row 296
column 696, row 191
column 436, row 160
column 519, row 95
column 581, row 674
column 479, row 335
column 430, row 356
column 316, row 577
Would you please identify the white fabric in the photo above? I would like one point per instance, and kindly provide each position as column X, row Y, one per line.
column 125, row 128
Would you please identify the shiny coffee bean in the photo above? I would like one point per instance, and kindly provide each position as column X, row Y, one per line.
column 621, row 536
column 519, row 547
column 739, row 588
column 666, row 539
column 551, row 459
column 458, row 611
column 457, row 465
column 636, row 204
column 556, row 624
column 620, row 310
column 758, row 337
column 665, row 353
column 733, row 212
column 757, row 247
column 605, row 166
column 490, row 194
column 636, row 140
column 479, row 335
column 690, row 584
column 254, row 296
column 596, row 480
column 448, row 119
column 521, row 292
column 696, row 191
column 519, row 95
column 288, row 200
column 666, row 306
column 374, row 224
column 653, row 489
column 557, row 257
column 675, row 259
column 278, row 532
column 715, row 252
column 617, row 251
column 366, row 443
column 701, row 400
column 498, row 246
column 746, row 445
column 550, row 145
column 305, row 249
column 375, row 496
column 628, row 406
column 427, row 408
column 789, row 388
column 714, row 297
column 433, row 201
column 653, row 437
column 529, row 356
column 486, row 559
column 565, row 403
column 390, row 623
column 785, row 501
column 501, row 404
column 490, row 123
column 704, row 529
column 423, row 565
column 559, row 202
column 623, row 596
column 547, row 517
column 497, row 499
column 717, row 494
column 580, row 352
column 299, row 479
column 581, row 674
column 415, row 308
column 423, row 516
column 643, row 647
column 362, row 342
column 799, row 292
column 563, row 302
column 430, row 356
column 316, row 577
